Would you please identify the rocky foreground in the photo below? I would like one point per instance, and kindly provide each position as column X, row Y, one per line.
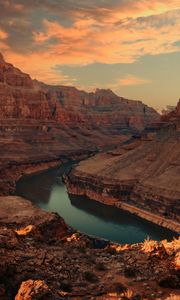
column 142, row 177
column 41, row 258
column 41, row 123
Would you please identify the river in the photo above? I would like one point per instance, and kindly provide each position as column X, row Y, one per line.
column 48, row 191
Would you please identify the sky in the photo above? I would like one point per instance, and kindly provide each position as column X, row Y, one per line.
column 129, row 46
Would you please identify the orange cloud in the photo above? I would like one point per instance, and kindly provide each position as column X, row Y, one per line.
column 130, row 80
column 15, row 6
column 127, row 80
column 39, row 66
column 153, row 7
column 119, row 34
column 88, row 41
column 3, row 35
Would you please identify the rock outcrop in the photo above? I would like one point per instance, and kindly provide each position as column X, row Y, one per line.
column 141, row 177
column 33, row 289
column 173, row 116
column 41, row 261
column 40, row 123
column 27, row 219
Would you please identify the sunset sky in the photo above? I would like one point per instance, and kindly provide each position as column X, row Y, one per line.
column 129, row 46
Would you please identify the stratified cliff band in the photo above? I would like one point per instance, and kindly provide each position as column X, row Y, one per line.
column 142, row 177
column 40, row 123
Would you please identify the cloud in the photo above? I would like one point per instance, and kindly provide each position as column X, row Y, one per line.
column 87, row 41
column 3, row 38
column 3, row 35
column 130, row 80
column 126, row 81
column 42, row 72
column 41, row 34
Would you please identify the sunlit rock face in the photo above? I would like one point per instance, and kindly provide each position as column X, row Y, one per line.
column 99, row 108
column 33, row 289
column 23, row 98
column 19, row 99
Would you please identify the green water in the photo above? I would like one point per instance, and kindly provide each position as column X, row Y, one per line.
column 87, row 215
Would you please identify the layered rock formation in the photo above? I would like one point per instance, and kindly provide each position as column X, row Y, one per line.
column 42, row 259
column 142, row 177
column 40, row 123
column 99, row 108
column 173, row 116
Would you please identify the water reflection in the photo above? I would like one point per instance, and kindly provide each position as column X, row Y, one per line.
column 91, row 217
column 118, row 216
column 38, row 187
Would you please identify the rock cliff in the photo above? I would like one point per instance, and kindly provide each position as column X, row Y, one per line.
column 40, row 123
column 173, row 116
column 43, row 259
column 99, row 108
column 142, row 177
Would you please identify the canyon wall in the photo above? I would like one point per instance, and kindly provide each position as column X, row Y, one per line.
column 41, row 123
column 141, row 177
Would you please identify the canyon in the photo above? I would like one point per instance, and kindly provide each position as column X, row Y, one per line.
column 137, row 169
column 141, row 177
column 41, row 123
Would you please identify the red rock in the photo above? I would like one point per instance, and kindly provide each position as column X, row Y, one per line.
column 143, row 178
column 39, row 123
column 33, row 290
column 27, row 219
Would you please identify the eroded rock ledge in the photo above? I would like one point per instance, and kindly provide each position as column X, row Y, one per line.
column 11, row 172
column 9, row 175
column 42, row 259
column 143, row 180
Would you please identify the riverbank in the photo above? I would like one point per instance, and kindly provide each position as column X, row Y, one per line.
column 143, row 180
column 163, row 222
column 101, row 178
column 86, row 215
column 12, row 172
column 9, row 175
